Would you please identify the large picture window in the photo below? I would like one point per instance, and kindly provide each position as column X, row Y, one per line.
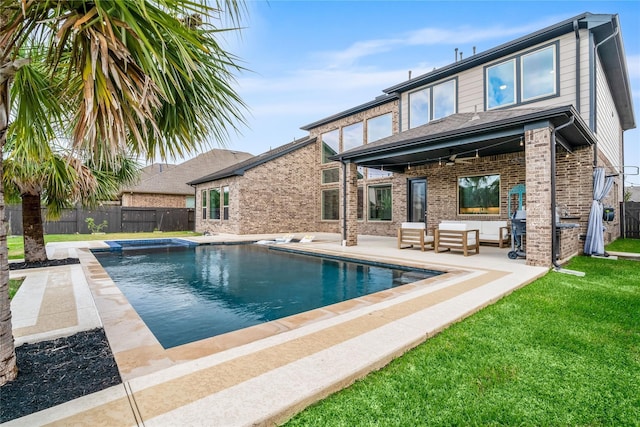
column 379, row 201
column 379, row 127
column 330, row 144
column 479, row 195
column 524, row 78
column 214, row 203
column 330, row 204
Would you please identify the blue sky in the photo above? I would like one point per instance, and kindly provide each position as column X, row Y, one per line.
column 311, row 59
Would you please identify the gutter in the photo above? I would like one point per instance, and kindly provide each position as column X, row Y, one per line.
column 576, row 30
column 344, row 201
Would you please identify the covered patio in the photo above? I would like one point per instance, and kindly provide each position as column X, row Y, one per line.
column 548, row 150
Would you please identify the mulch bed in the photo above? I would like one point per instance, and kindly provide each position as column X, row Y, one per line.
column 46, row 263
column 56, row 371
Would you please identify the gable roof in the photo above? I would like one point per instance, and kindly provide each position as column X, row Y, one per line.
column 492, row 132
column 161, row 178
column 241, row 167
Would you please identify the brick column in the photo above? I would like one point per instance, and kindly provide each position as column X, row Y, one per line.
column 538, row 196
column 352, row 205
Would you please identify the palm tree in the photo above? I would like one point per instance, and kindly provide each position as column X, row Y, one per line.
column 143, row 76
column 59, row 181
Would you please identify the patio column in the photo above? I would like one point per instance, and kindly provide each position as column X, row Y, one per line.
column 538, row 196
column 350, row 221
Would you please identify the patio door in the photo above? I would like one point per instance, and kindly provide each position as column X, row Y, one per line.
column 417, row 200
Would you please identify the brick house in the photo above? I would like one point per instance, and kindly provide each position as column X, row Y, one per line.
column 541, row 111
column 163, row 185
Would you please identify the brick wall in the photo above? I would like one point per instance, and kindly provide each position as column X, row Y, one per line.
column 142, row 200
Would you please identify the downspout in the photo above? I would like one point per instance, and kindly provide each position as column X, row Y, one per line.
column 344, row 202
column 554, row 238
column 594, row 107
column 576, row 30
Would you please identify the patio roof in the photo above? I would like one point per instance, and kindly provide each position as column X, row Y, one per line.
column 487, row 133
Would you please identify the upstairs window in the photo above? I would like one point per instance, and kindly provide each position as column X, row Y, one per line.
column 501, row 84
column 524, row 78
column 330, row 144
column 539, row 74
column 352, row 136
column 379, row 127
column 431, row 103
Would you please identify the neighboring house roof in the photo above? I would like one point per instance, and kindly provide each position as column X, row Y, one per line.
column 492, row 132
column 172, row 179
column 240, row 168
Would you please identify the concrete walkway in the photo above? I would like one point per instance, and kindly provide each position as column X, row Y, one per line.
column 265, row 374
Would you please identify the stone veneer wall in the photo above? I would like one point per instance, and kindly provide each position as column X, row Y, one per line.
column 142, row 200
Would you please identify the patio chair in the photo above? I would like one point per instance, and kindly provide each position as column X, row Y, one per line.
column 456, row 236
column 414, row 233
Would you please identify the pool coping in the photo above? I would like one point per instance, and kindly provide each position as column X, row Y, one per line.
column 144, row 354
column 266, row 381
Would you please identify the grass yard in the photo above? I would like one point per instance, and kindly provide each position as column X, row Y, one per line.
column 624, row 245
column 564, row 350
column 14, row 285
column 16, row 244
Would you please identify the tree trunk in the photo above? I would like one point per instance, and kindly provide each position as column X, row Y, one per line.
column 8, row 367
column 33, row 234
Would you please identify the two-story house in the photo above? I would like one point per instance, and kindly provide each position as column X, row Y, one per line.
column 539, row 113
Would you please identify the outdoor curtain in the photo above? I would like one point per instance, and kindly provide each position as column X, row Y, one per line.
column 594, row 243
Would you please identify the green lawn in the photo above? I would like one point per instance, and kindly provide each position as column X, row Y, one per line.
column 624, row 245
column 564, row 350
column 16, row 245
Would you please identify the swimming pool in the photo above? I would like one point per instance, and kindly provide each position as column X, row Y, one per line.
column 199, row 292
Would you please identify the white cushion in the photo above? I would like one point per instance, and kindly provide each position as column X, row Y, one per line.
column 454, row 226
column 417, row 225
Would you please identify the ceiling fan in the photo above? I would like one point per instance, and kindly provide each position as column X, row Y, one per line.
column 454, row 159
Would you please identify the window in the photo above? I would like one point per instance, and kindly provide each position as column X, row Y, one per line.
column 479, row 195
column 431, row 103
column 379, row 127
column 330, row 144
column 225, row 202
column 379, row 203
column 330, row 175
column 352, row 136
column 330, row 204
column 190, row 202
column 204, row 204
column 444, row 99
column 214, row 203
column 419, row 107
column 524, row 78
column 377, row 173
column 501, row 84
column 360, row 199
column 539, row 74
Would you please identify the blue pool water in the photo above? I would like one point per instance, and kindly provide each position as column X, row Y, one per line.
column 193, row 293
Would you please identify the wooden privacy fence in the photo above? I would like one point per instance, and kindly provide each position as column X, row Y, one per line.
column 119, row 219
column 631, row 222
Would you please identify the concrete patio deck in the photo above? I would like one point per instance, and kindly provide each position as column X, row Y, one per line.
column 260, row 375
